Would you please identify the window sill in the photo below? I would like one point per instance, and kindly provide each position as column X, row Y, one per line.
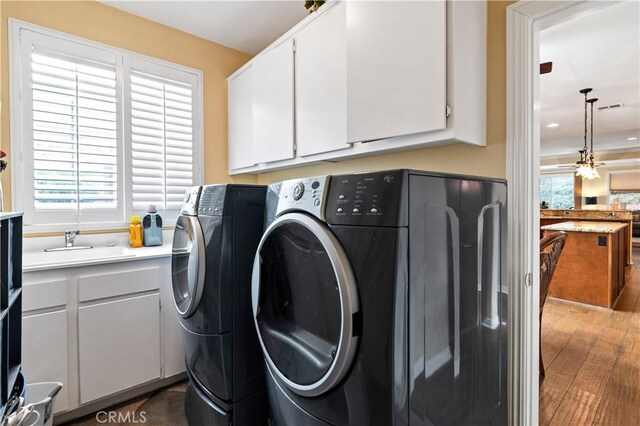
column 86, row 228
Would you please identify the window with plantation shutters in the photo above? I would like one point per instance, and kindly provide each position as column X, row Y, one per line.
column 75, row 162
column 99, row 133
column 162, row 132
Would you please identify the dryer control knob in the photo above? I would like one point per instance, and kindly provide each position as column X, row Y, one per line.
column 298, row 190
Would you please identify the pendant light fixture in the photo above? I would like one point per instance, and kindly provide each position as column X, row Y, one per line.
column 585, row 166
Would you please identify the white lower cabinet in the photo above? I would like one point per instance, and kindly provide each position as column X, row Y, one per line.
column 100, row 330
column 118, row 345
column 45, row 351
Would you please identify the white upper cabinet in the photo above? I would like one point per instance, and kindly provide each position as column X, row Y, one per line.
column 321, row 84
column 396, row 68
column 241, row 119
column 273, row 115
column 369, row 77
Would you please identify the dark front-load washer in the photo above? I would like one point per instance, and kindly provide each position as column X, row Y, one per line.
column 379, row 299
column 214, row 243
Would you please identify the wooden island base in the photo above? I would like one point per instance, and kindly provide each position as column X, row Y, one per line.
column 591, row 267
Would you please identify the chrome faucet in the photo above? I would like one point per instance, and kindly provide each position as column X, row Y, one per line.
column 69, row 237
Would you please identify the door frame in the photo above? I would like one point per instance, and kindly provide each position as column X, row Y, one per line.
column 525, row 20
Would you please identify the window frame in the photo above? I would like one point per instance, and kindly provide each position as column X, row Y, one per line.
column 556, row 175
column 20, row 110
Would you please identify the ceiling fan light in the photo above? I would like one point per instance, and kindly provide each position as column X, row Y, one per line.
column 583, row 170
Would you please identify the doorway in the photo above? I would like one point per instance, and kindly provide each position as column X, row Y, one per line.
column 525, row 21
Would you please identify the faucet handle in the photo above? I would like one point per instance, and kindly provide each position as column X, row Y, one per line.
column 72, row 234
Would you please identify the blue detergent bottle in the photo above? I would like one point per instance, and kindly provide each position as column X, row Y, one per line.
column 152, row 228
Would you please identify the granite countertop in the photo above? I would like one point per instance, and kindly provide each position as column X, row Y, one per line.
column 586, row 214
column 585, row 226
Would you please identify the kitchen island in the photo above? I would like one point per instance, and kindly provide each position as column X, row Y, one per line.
column 591, row 267
column 551, row 216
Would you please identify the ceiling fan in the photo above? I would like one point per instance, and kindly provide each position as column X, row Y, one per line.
column 586, row 167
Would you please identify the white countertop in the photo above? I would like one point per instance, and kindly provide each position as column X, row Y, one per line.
column 39, row 260
column 586, row 226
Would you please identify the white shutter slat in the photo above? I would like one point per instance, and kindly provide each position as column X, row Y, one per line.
column 96, row 132
column 148, row 189
column 53, row 97
column 54, row 83
column 179, row 159
column 178, row 113
column 53, row 146
column 179, row 151
column 161, row 141
column 174, row 143
column 54, row 118
column 54, row 166
column 179, row 174
column 53, row 137
column 181, row 137
column 69, row 157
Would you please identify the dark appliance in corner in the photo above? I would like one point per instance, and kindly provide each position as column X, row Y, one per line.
column 214, row 242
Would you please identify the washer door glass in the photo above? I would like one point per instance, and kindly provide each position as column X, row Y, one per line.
column 187, row 264
column 305, row 304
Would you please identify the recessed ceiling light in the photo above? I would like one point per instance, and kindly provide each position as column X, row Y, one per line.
column 633, row 138
column 552, row 125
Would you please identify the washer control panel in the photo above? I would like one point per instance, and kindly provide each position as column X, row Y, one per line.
column 306, row 194
column 212, row 200
column 190, row 201
column 371, row 199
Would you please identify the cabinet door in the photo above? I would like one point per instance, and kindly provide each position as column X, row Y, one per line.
column 273, row 104
column 45, row 352
column 321, row 84
column 396, row 68
column 119, row 345
column 241, row 120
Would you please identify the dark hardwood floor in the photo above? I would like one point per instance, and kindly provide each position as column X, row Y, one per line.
column 592, row 360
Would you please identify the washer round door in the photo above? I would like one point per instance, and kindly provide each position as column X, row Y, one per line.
column 187, row 265
column 304, row 298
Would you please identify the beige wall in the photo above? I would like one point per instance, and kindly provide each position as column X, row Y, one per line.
column 459, row 158
column 95, row 21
